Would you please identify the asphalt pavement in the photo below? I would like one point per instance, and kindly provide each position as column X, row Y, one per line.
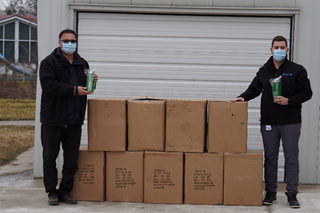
column 21, row 193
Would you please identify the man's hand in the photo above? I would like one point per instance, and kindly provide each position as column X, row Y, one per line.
column 237, row 99
column 281, row 100
column 95, row 78
column 83, row 91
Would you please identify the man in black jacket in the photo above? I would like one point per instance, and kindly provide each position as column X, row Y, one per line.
column 63, row 106
column 280, row 117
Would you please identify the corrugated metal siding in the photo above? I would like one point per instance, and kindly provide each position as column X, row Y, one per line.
column 178, row 56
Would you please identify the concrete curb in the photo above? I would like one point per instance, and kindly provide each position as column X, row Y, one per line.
column 17, row 122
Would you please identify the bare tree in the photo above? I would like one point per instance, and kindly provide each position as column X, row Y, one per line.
column 21, row 7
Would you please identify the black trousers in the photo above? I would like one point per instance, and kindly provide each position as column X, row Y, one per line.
column 51, row 139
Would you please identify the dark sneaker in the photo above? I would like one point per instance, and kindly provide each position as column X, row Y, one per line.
column 271, row 198
column 66, row 198
column 53, row 200
column 292, row 200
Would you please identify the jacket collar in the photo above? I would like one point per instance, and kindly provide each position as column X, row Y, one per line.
column 271, row 66
column 76, row 56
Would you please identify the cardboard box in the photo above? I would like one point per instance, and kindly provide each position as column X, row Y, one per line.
column 227, row 127
column 124, row 172
column 203, row 174
column 163, row 177
column 243, row 179
column 107, row 124
column 185, row 125
column 89, row 180
column 146, row 124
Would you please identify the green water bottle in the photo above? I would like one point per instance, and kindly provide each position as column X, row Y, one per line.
column 276, row 87
column 90, row 80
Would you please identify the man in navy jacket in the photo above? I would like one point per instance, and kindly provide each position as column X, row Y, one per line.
column 63, row 106
column 280, row 117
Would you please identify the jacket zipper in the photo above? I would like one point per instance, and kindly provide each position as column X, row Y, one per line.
column 276, row 105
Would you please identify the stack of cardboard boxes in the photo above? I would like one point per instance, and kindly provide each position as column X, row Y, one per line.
column 170, row 152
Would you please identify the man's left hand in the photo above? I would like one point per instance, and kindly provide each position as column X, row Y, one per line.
column 281, row 100
column 95, row 78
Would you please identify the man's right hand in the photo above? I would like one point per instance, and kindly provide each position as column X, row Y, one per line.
column 83, row 91
column 237, row 99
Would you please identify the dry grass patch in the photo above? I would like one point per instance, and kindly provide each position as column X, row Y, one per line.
column 15, row 109
column 18, row 89
column 14, row 140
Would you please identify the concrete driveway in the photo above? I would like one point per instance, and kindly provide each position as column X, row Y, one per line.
column 21, row 193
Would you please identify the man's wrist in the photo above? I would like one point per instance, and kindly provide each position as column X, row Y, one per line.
column 75, row 90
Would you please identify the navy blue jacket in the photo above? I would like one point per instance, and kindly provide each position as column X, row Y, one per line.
column 57, row 88
column 295, row 86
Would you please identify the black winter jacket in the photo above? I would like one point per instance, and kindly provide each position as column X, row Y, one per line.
column 56, row 89
column 295, row 86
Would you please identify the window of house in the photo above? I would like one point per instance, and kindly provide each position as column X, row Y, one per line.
column 33, row 33
column 8, row 32
column 1, row 40
column 34, row 52
column 23, row 31
column 23, row 52
column 1, row 32
column 27, row 43
column 9, row 50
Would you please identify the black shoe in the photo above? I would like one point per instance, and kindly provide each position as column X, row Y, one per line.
column 271, row 198
column 65, row 197
column 292, row 200
column 53, row 200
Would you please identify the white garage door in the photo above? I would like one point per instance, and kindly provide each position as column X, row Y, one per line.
column 179, row 56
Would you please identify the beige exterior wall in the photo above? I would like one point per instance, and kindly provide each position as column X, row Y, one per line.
column 53, row 16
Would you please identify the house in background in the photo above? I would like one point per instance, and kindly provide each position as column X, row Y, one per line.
column 18, row 45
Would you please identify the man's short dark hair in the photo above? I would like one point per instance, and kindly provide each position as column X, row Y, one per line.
column 67, row 30
column 279, row 38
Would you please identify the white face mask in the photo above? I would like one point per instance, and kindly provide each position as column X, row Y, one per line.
column 69, row 47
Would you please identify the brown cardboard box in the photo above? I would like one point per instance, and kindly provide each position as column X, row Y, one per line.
column 203, row 174
column 227, row 127
column 124, row 172
column 243, row 179
column 185, row 125
column 89, row 180
column 146, row 123
column 163, row 177
column 107, row 124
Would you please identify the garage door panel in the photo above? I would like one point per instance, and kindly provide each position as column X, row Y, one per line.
column 179, row 26
column 174, row 89
column 175, row 72
column 179, row 56
column 142, row 43
column 175, row 51
column 174, row 59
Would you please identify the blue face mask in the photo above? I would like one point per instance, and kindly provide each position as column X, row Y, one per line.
column 279, row 54
column 69, row 47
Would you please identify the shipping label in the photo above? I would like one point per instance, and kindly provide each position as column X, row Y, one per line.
column 85, row 174
column 123, row 178
column 162, row 179
column 202, row 180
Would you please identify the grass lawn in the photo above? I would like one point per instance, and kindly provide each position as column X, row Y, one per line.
column 15, row 109
column 15, row 139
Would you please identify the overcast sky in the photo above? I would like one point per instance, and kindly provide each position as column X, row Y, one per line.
column 3, row 2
